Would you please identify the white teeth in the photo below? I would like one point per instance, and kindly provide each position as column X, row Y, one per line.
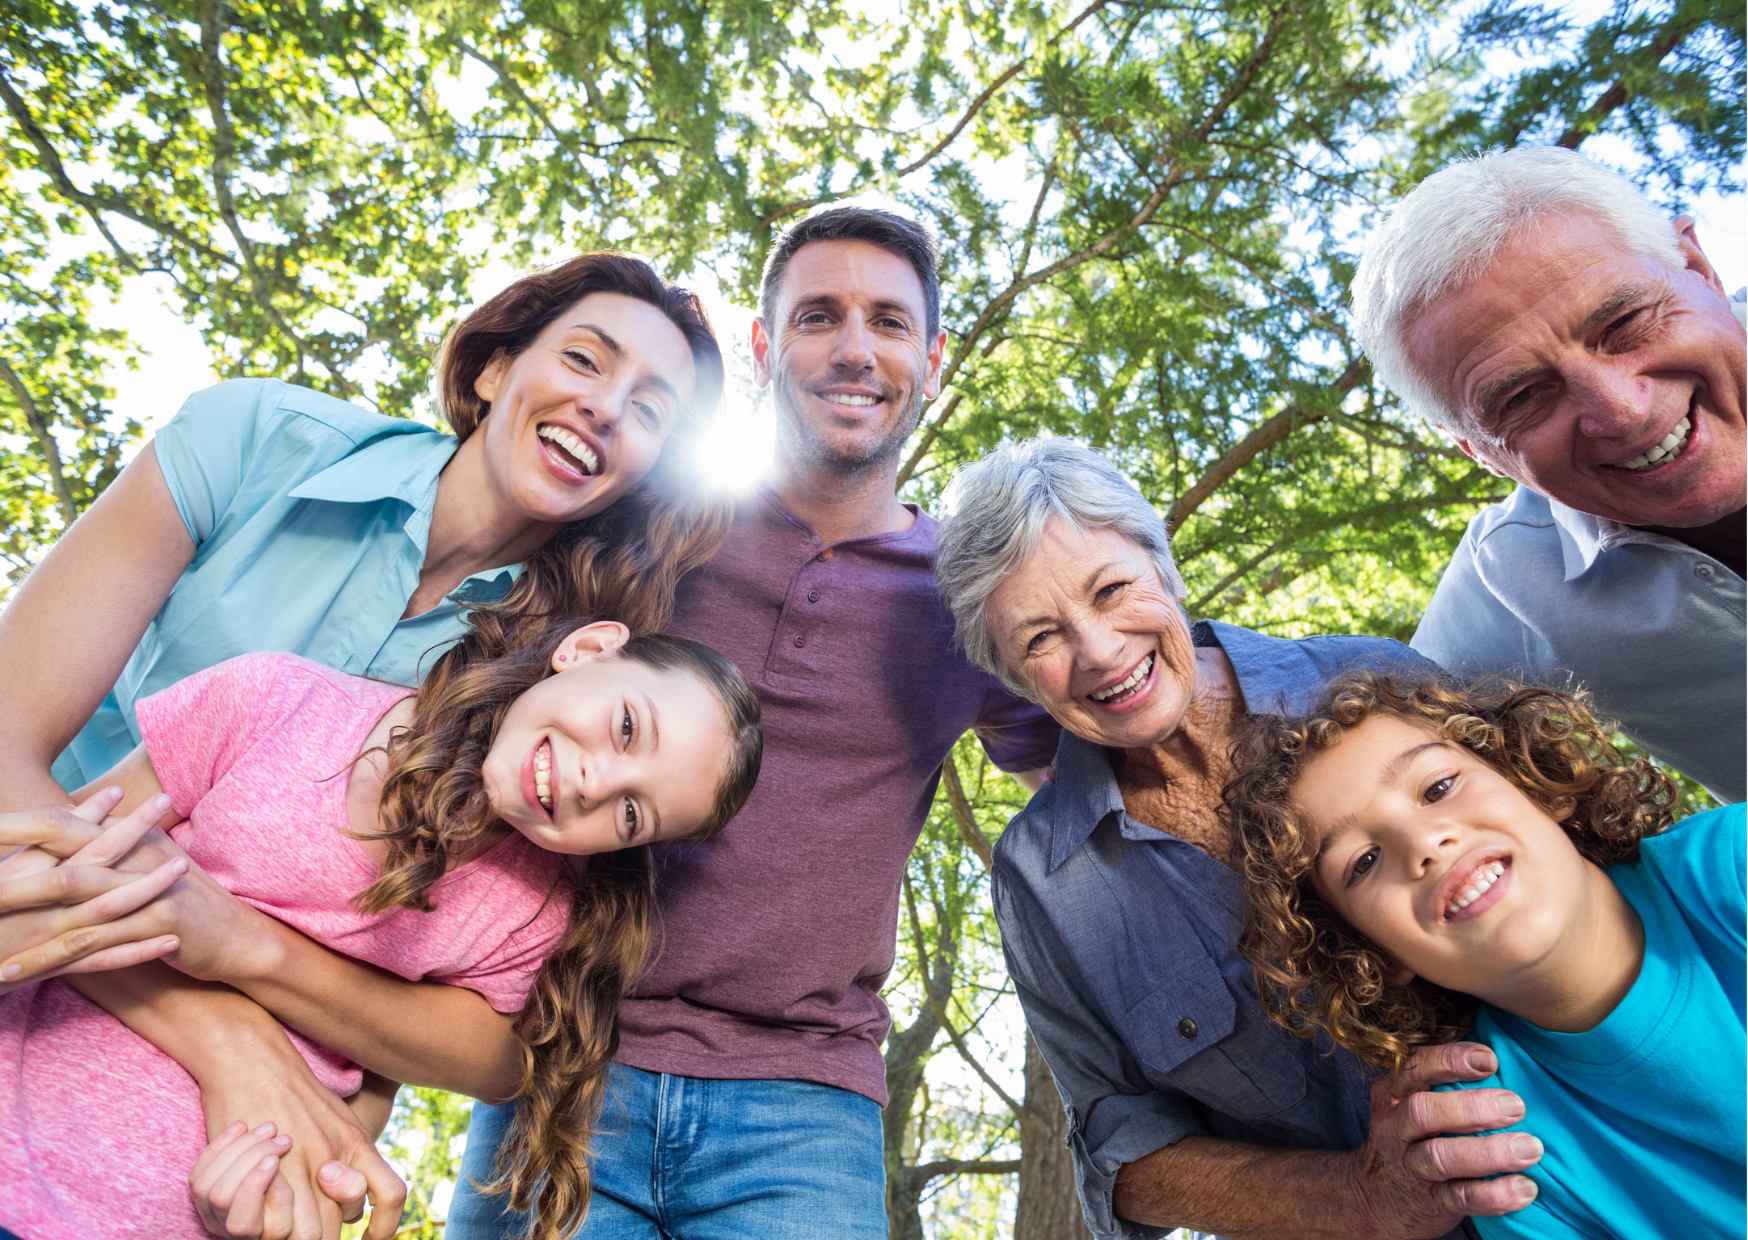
column 860, row 402
column 1488, row 875
column 543, row 773
column 1134, row 678
column 1668, row 447
column 571, row 444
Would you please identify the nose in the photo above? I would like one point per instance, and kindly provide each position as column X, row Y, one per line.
column 1428, row 844
column 606, row 407
column 854, row 347
column 1097, row 647
column 1612, row 401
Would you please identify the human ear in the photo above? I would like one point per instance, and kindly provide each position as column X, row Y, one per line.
column 1468, row 450
column 937, row 353
column 1697, row 262
column 590, row 642
column 486, row 385
column 761, row 354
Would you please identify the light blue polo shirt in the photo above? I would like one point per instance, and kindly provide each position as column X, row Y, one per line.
column 309, row 518
column 1653, row 628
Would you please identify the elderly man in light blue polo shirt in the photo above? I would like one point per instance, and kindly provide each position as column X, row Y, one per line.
column 1568, row 336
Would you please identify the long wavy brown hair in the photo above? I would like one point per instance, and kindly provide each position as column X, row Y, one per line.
column 434, row 804
column 622, row 562
column 1314, row 971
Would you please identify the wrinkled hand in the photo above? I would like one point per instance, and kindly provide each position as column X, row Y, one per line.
column 324, row 1165
column 66, row 906
column 1417, row 1176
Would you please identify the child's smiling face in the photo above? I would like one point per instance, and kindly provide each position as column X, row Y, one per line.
column 1438, row 859
column 608, row 752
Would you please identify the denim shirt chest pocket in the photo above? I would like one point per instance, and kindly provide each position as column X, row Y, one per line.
column 1194, row 1037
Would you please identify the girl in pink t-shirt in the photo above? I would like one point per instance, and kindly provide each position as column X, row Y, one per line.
column 417, row 832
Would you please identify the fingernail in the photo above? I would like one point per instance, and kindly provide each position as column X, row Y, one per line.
column 1526, row 1147
column 268, row 1163
column 282, row 1139
column 1511, row 1109
column 262, row 1130
column 1525, row 1188
column 10, row 971
column 162, row 800
column 179, row 865
column 114, row 790
column 1483, row 1061
column 172, row 944
column 236, row 1127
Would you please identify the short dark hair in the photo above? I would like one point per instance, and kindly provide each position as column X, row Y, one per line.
column 893, row 233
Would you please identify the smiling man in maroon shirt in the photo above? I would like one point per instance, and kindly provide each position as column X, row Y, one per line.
column 746, row 1099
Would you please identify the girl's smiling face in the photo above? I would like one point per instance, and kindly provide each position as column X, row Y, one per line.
column 1439, row 860
column 607, row 752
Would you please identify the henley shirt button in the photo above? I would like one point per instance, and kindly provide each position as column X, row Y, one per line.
column 800, row 640
column 1186, row 1029
column 813, row 596
column 1705, row 572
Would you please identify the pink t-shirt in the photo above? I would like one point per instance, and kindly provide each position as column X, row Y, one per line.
column 98, row 1128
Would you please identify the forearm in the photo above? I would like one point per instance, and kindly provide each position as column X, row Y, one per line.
column 25, row 782
column 374, row 1103
column 1242, row 1192
column 420, row 1033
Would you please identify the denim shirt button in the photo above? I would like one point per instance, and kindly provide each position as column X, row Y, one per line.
column 1186, row 1029
column 1705, row 572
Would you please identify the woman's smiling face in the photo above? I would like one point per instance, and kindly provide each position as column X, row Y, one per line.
column 1088, row 624
column 1437, row 858
column 580, row 416
column 607, row 752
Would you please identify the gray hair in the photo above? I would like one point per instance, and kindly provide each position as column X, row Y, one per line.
column 997, row 509
column 1454, row 224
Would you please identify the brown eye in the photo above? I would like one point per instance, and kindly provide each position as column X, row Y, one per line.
column 630, row 819
column 625, row 728
column 1439, row 790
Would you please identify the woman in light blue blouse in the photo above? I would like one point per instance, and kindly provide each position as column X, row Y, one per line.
column 271, row 517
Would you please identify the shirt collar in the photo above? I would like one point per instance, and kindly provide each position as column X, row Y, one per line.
column 402, row 464
column 1584, row 537
column 1084, row 794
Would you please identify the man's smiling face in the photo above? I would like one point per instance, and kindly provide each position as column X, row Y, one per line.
column 849, row 355
column 1599, row 377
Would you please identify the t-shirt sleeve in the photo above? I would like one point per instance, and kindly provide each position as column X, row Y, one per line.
column 1703, row 861
column 528, row 922
column 1016, row 734
column 196, row 729
column 208, row 448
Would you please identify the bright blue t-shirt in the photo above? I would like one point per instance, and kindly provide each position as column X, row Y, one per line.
column 309, row 518
column 1642, row 1118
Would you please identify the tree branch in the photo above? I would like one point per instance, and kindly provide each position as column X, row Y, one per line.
column 1588, row 121
column 924, row 1172
column 970, row 113
column 224, row 148
column 1263, row 437
column 968, row 828
column 1148, row 209
column 45, row 442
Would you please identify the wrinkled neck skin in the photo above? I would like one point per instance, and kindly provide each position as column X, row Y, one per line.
column 1574, row 987
column 1174, row 785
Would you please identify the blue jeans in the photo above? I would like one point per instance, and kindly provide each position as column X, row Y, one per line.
column 679, row 1158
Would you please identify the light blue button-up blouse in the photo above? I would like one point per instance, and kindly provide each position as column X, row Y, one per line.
column 309, row 518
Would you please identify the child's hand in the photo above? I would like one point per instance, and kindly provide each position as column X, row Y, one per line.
column 1419, row 1173
column 65, row 905
column 236, row 1184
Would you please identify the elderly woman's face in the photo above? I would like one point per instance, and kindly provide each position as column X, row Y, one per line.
column 1089, row 625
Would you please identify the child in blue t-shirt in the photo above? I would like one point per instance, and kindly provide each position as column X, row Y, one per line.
column 1424, row 860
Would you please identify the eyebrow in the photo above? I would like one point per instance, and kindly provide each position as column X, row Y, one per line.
column 830, row 301
column 1091, row 577
column 618, row 351
column 1391, row 776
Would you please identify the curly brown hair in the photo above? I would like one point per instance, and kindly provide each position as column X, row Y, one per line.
column 434, row 802
column 1314, row 972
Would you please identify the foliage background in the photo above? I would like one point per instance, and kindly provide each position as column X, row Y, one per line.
column 1149, row 214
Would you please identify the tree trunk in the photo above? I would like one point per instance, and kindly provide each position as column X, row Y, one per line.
column 1049, row 1206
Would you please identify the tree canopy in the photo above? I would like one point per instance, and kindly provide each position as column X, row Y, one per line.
column 1149, row 214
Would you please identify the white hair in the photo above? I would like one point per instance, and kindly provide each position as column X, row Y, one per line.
column 1454, row 224
column 997, row 509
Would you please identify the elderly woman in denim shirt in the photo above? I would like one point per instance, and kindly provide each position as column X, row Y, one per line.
column 1119, row 912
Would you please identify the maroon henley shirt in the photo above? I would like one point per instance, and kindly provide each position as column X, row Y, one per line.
column 778, row 934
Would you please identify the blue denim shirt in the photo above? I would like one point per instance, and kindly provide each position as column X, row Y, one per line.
column 1122, row 943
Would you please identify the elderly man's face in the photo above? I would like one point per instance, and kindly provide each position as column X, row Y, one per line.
column 1089, row 625
column 1569, row 360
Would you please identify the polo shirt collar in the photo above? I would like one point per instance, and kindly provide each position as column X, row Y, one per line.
column 401, row 465
column 1583, row 538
